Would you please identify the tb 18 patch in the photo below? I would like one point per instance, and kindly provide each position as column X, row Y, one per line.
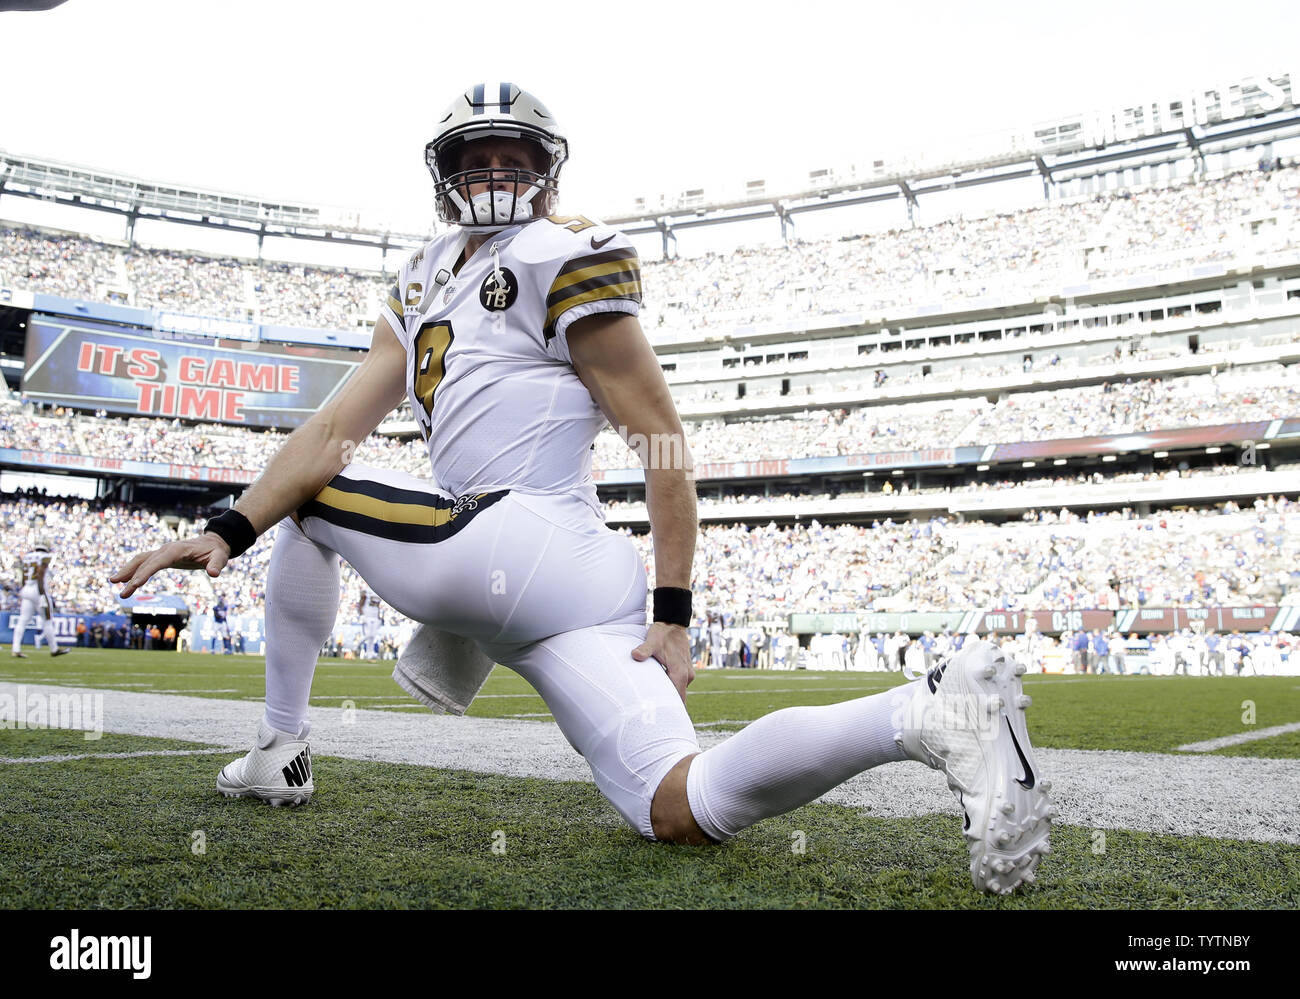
column 495, row 298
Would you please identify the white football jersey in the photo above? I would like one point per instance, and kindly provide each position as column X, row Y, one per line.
column 33, row 562
column 489, row 374
column 370, row 602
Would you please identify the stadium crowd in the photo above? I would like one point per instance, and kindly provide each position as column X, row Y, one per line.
column 1188, row 652
column 1149, row 404
column 751, row 577
column 91, row 538
column 729, row 497
column 1064, row 242
column 1095, row 560
column 1265, row 392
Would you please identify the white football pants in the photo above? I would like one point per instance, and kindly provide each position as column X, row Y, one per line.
column 369, row 636
column 34, row 612
column 538, row 581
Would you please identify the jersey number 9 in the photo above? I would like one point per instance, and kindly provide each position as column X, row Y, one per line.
column 430, row 354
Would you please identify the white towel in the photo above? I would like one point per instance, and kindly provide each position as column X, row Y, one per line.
column 442, row 670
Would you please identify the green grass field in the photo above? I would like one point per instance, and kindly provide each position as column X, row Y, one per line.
column 91, row 829
column 1135, row 713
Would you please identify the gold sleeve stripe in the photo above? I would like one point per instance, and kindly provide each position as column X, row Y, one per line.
column 592, row 281
column 597, row 270
column 626, row 289
column 395, row 299
column 607, row 256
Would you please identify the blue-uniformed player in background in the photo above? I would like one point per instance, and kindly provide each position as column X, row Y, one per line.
column 220, row 629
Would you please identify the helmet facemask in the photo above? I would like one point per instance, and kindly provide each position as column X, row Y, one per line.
column 514, row 194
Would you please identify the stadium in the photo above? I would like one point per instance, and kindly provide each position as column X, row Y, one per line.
column 1070, row 425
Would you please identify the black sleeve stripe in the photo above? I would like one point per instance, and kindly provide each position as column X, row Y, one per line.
column 590, row 284
column 609, row 256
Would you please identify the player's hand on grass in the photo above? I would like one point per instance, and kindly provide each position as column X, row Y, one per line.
column 207, row 551
column 670, row 644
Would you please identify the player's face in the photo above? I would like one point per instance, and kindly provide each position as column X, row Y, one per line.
column 496, row 153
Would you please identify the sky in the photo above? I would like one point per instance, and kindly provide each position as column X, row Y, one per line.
column 332, row 103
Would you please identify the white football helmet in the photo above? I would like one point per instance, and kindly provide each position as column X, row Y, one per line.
column 495, row 109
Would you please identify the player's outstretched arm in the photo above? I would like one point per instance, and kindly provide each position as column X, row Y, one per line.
column 617, row 364
column 313, row 454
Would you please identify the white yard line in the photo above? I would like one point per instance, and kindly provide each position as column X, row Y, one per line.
column 730, row 693
column 195, row 690
column 1226, row 797
column 66, row 757
column 1209, row 745
column 774, row 690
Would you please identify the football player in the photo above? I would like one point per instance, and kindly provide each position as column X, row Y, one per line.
column 36, row 607
column 368, row 608
column 515, row 337
column 220, row 626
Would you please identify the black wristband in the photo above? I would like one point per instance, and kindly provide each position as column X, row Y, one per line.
column 673, row 605
column 233, row 528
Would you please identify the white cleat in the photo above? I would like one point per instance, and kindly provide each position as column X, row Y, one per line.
column 277, row 770
column 967, row 718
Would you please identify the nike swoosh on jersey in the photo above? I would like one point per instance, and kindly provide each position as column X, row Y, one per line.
column 597, row 245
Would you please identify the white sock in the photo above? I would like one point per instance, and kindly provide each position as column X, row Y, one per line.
column 791, row 757
column 51, row 639
column 302, row 600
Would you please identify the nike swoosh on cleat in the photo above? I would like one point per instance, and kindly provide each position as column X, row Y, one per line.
column 597, row 245
column 1028, row 781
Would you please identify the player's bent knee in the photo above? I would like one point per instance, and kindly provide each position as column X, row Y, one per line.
column 670, row 810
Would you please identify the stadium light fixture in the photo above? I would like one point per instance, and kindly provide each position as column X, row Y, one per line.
column 1028, row 464
column 1059, row 461
column 1108, row 457
column 981, row 468
column 898, row 471
column 1213, row 450
column 1160, row 454
column 1263, row 447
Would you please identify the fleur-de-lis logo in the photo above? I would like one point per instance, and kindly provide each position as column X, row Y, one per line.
column 464, row 503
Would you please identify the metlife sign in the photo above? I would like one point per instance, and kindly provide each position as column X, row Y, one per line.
column 1159, row 113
